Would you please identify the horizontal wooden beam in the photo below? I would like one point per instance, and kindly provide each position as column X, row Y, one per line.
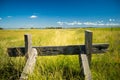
column 57, row 50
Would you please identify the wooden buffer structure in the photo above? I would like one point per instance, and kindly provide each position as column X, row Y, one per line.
column 84, row 51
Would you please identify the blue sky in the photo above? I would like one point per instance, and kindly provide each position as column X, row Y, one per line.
column 65, row 13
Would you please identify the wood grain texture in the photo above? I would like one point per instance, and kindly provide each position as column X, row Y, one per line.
column 29, row 66
column 58, row 50
column 85, row 67
column 88, row 45
column 28, row 45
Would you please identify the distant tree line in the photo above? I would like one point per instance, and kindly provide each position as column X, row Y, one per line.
column 53, row 28
column 1, row 28
column 43, row 28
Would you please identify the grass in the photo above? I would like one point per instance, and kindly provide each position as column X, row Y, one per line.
column 103, row 67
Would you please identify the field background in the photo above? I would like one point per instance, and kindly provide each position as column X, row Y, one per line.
column 103, row 67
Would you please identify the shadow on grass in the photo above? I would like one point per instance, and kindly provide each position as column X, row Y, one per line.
column 9, row 72
column 71, row 74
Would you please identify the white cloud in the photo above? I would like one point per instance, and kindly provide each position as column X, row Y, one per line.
column 9, row 16
column 90, row 23
column 111, row 20
column 73, row 23
column 69, row 23
column 79, row 23
column 98, row 23
column 0, row 18
column 101, row 24
column 60, row 23
column 112, row 24
column 33, row 16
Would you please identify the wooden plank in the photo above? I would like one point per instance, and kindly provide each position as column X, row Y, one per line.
column 100, row 48
column 85, row 69
column 28, row 45
column 29, row 66
column 88, row 44
column 58, row 50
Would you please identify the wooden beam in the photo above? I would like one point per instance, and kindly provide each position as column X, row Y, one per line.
column 58, row 50
column 29, row 66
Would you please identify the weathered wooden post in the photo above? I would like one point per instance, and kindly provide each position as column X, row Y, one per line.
column 85, row 56
column 28, row 45
column 88, row 45
column 31, row 54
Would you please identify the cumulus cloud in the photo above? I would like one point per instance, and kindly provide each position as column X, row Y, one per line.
column 60, row 23
column 112, row 24
column 0, row 18
column 33, row 16
column 111, row 20
column 73, row 23
column 9, row 16
column 69, row 23
column 79, row 23
column 93, row 23
column 90, row 23
column 98, row 23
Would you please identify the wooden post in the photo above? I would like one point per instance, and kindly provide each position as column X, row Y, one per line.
column 30, row 54
column 85, row 57
column 85, row 69
column 29, row 66
column 28, row 45
column 88, row 45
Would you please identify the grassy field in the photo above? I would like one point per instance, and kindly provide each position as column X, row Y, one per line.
column 103, row 67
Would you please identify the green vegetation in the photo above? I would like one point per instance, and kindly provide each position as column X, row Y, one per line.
column 103, row 67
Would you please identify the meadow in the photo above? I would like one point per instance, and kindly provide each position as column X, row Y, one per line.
column 103, row 67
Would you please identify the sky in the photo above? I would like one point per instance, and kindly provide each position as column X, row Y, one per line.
column 59, row 13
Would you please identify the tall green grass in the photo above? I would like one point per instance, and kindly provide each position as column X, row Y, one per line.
column 103, row 67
